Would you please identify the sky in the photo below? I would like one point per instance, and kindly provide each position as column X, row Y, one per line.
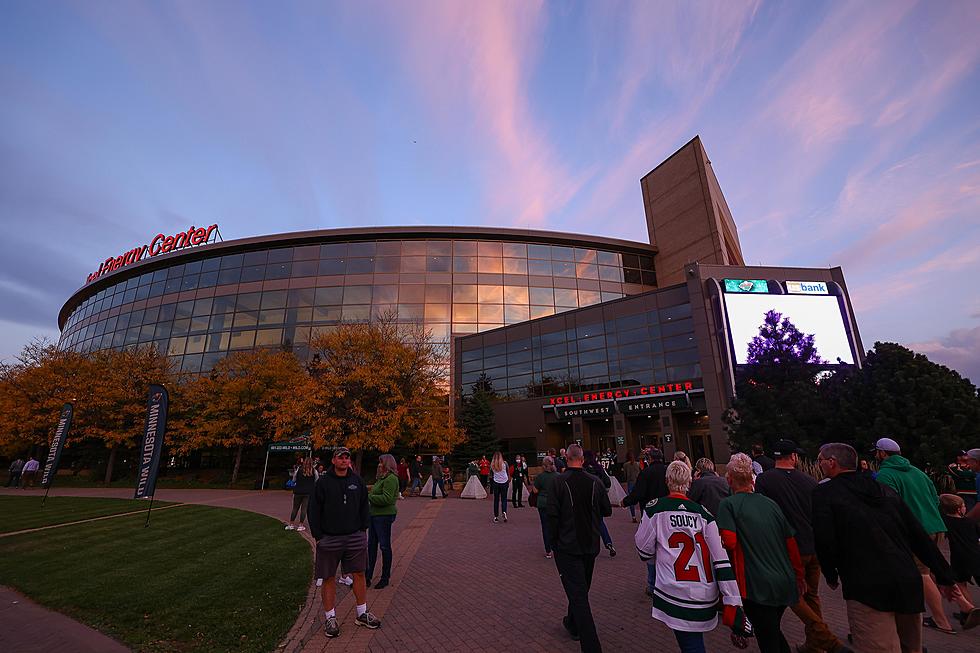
column 842, row 133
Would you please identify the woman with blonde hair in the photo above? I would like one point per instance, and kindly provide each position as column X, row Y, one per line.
column 681, row 456
column 500, row 479
column 304, row 478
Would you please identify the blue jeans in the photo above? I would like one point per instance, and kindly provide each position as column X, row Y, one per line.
column 379, row 534
column 604, row 532
column 544, row 530
column 499, row 498
column 416, row 483
column 629, row 488
column 437, row 483
column 690, row 642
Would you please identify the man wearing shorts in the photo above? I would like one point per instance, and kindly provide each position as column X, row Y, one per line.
column 339, row 521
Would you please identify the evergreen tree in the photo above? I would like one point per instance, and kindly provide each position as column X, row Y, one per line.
column 477, row 421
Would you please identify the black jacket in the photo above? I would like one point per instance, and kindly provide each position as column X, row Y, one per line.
column 709, row 490
column 577, row 501
column 339, row 505
column 600, row 473
column 866, row 536
column 650, row 484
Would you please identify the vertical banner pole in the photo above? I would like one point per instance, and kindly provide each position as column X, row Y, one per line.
column 54, row 452
column 264, row 469
column 152, row 447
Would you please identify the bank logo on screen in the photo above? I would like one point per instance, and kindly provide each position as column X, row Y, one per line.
column 806, row 288
column 746, row 285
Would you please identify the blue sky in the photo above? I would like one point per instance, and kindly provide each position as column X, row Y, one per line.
column 843, row 133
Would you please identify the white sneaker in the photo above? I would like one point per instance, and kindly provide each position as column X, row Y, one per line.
column 346, row 580
column 505, row 516
column 301, row 528
column 319, row 582
column 290, row 527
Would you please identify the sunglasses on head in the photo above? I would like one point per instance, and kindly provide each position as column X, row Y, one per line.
column 344, row 455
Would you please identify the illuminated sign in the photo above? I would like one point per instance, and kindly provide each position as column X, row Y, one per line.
column 598, row 409
column 806, row 288
column 653, row 404
column 623, row 393
column 746, row 285
column 160, row 244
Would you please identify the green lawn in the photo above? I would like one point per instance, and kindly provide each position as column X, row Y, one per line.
column 198, row 579
column 21, row 513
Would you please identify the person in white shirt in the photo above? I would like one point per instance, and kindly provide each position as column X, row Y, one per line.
column 500, row 479
column 29, row 473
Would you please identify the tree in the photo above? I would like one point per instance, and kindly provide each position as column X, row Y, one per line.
column 776, row 392
column 929, row 409
column 476, row 418
column 372, row 385
column 239, row 403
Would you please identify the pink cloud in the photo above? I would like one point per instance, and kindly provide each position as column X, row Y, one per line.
column 959, row 350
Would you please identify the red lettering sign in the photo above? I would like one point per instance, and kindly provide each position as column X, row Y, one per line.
column 160, row 244
column 621, row 393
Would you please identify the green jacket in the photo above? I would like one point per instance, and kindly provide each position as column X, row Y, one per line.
column 916, row 490
column 383, row 497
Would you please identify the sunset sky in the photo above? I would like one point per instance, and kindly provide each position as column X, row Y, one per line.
column 843, row 133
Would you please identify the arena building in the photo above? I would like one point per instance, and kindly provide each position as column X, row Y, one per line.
column 502, row 303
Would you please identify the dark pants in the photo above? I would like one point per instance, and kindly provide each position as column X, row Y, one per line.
column 437, row 483
column 765, row 622
column 629, row 489
column 604, row 532
column 402, row 484
column 13, row 480
column 379, row 534
column 576, row 579
column 499, row 498
column 544, row 530
column 517, row 493
column 483, row 480
column 689, row 642
column 300, row 502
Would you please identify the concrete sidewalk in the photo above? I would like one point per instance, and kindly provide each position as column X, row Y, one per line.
column 26, row 627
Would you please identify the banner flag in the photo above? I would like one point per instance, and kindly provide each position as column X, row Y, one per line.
column 152, row 446
column 54, row 453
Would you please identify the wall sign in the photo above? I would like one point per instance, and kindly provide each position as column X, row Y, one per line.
column 160, row 244
column 746, row 285
column 652, row 405
column 622, row 393
column 806, row 288
column 598, row 409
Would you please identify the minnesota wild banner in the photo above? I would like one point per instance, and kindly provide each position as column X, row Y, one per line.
column 152, row 447
column 57, row 444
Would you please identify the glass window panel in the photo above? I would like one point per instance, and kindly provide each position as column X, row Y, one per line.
column 490, row 295
column 514, row 250
column 588, row 297
column 118, row 338
column 331, row 266
column 194, row 267
column 329, row 296
column 326, row 314
column 123, row 322
column 175, row 272
column 675, row 312
column 389, row 248
column 185, row 309
column 539, row 268
column 495, row 361
column 221, row 321
column 631, row 261
column 278, row 270
column 253, row 273
column 566, row 298
column 360, row 265
column 515, row 266
column 515, row 295
column 176, row 346
column 586, row 271
column 273, row 316
column 146, row 333
column 464, row 264
column 563, row 269
column 610, row 274
column 246, row 319
column 678, row 342
column 692, row 371
column 202, row 306
column 438, row 293
column 682, row 357
column 464, row 248
column 609, row 296
column 306, row 268
column 242, row 339
column 232, row 261
column 413, row 248
column 294, row 315
column 439, row 248
column 592, row 342
column 436, row 312
column 159, row 275
column 357, row 294
column 491, row 313
column 489, row 265
column 280, row 255
column 208, row 361
column 127, row 298
column 610, row 258
column 677, row 327
column 306, row 253
column 410, row 312
column 158, row 288
column 385, row 294
column 136, row 318
column 333, row 250
column 516, row 313
column 539, row 252
column 488, row 248
column 464, row 294
column 464, row 313
column 411, row 293
column 585, row 255
column 300, row 297
column 256, row 258
column 199, row 324
column 207, row 280
column 299, row 335
column 367, row 248
column 542, row 296
column 413, row 264
column 541, row 311
column 223, row 304
column 387, row 264
column 173, row 285
column 167, row 313
column 268, row 337
column 195, row 344
column 141, row 293
column 248, row 301
column 632, row 276
column 232, row 275
column 438, row 263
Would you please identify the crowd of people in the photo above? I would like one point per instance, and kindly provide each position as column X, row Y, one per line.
column 738, row 548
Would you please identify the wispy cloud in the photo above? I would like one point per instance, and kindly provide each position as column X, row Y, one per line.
column 958, row 349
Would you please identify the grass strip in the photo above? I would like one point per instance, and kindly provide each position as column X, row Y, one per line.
column 22, row 513
column 198, row 579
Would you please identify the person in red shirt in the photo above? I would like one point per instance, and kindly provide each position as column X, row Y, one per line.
column 484, row 471
column 402, row 478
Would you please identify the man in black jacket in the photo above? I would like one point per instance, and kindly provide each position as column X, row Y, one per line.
column 577, row 502
column 650, row 484
column 865, row 538
column 339, row 520
column 708, row 488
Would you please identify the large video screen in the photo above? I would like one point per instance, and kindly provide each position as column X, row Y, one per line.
column 816, row 315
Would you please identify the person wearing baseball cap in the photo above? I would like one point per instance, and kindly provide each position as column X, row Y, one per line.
column 791, row 489
column 339, row 520
column 919, row 494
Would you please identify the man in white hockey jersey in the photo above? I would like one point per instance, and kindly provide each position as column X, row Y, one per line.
column 695, row 579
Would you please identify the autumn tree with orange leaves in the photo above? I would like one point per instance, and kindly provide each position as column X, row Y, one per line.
column 238, row 403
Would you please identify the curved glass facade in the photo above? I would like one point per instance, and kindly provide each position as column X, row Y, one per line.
column 200, row 310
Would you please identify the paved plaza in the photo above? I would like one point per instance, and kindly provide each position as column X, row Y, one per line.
column 468, row 584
